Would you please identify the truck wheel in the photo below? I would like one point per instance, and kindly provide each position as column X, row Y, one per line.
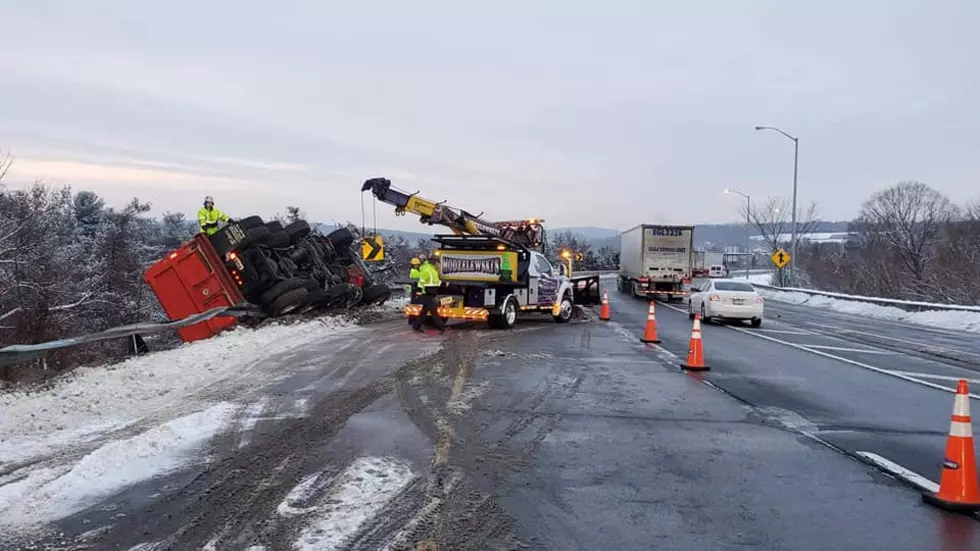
column 259, row 233
column 283, row 287
column 289, row 302
column 274, row 227
column 341, row 239
column 298, row 230
column 250, row 222
column 277, row 240
column 507, row 316
column 376, row 294
column 565, row 310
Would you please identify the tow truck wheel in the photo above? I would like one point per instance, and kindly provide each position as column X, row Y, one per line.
column 564, row 310
column 507, row 316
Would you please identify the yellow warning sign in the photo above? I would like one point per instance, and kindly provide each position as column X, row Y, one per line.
column 780, row 258
column 373, row 248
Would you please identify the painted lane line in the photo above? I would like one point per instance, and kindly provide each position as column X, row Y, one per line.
column 883, row 371
column 900, row 472
column 786, row 332
column 896, row 339
column 888, row 372
column 847, row 349
column 934, row 376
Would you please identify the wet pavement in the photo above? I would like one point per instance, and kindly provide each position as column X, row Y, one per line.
column 554, row 436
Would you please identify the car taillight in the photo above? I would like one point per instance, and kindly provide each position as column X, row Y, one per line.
column 714, row 298
column 758, row 300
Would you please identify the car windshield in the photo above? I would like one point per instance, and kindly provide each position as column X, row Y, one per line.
column 734, row 286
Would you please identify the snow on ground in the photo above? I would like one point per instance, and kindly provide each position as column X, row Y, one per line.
column 944, row 319
column 52, row 493
column 94, row 400
column 760, row 279
column 356, row 496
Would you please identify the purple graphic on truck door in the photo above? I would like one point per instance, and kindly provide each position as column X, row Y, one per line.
column 547, row 289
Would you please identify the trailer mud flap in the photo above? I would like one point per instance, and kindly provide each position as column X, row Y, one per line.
column 585, row 290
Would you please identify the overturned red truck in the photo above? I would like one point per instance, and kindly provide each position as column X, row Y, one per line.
column 278, row 269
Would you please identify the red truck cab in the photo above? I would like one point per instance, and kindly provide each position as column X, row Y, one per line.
column 191, row 280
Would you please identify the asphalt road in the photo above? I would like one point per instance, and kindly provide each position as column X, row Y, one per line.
column 550, row 437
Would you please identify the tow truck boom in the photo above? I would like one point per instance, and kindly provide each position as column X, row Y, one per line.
column 529, row 233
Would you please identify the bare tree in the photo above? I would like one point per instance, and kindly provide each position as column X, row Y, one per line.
column 773, row 222
column 908, row 217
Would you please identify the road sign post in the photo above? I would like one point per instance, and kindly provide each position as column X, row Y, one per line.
column 780, row 258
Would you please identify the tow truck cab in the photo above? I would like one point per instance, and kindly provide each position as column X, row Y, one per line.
column 491, row 279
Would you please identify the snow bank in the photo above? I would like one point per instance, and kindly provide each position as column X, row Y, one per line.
column 760, row 279
column 53, row 493
column 91, row 401
column 957, row 320
column 359, row 494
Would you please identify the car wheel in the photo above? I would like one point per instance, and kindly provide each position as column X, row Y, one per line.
column 704, row 316
column 756, row 322
column 564, row 309
column 289, row 302
column 690, row 310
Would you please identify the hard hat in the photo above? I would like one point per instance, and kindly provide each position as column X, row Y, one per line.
column 209, row 199
column 416, row 261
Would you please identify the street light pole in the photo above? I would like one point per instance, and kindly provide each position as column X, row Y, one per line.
column 796, row 157
column 748, row 228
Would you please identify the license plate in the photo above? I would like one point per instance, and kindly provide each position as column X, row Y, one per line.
column 738, row 301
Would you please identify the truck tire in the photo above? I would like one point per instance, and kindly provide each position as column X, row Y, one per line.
column 274, row 227
column 281, row 288
column 341, row 239
column 277, row 240
column 376, row 294
column 565, row 310
column 259, row 233
column 298, row 230
column 250, row 222
column 289, row 302
column 507, row 316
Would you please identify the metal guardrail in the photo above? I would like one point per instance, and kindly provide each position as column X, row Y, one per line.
column 17, row 353
column 913, row 306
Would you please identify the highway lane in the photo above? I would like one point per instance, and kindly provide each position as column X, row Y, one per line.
column 842, row 392
column 950, row 347
column 544, row 437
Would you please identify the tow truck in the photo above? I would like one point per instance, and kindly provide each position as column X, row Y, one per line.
column 491, row 271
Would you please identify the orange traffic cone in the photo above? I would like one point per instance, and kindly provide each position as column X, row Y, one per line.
column 650, row 334
column 604, row 311
column 958, row 490
column 695, row 353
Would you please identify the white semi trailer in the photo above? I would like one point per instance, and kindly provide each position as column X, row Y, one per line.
column 656, row 259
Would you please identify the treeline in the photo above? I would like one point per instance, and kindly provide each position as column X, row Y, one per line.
column 70, row 265
column 909, row 242
column 602, row 258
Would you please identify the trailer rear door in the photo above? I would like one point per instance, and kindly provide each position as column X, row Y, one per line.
column 192, row 280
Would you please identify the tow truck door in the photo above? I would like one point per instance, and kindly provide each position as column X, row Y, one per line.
column 544, row 281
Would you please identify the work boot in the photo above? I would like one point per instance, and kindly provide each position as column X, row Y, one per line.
column 418, row 329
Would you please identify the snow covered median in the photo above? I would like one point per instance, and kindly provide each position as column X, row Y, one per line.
column 944, row 319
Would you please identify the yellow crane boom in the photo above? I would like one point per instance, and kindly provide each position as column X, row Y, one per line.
column 529, row 233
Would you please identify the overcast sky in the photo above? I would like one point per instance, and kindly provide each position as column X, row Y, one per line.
column 581, row 112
